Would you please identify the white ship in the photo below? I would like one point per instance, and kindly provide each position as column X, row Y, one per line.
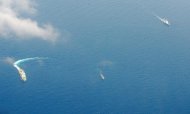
column 102, row 76
column 21, row 73
column 164, row 20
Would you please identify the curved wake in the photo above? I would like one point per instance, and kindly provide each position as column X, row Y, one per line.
column 20, row 70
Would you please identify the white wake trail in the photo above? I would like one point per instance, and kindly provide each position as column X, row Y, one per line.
column 20, row 70
column 158, row 17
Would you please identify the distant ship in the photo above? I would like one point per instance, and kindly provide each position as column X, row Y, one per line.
column 102, row 76
column 164, row 20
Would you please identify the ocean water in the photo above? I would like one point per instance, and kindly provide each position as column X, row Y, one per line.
column 150, row 71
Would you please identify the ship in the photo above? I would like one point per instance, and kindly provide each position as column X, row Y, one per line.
column 21, row 73
column 164, row 20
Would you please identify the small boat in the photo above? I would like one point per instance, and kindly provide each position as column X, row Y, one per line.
column 163, row 20
column 102, row 76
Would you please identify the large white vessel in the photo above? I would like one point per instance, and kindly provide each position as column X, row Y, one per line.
column 21, row 73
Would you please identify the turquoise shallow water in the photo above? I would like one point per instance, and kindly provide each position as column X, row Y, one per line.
column 150, row 71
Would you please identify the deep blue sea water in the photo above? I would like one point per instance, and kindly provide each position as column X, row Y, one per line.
column 151, row 62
